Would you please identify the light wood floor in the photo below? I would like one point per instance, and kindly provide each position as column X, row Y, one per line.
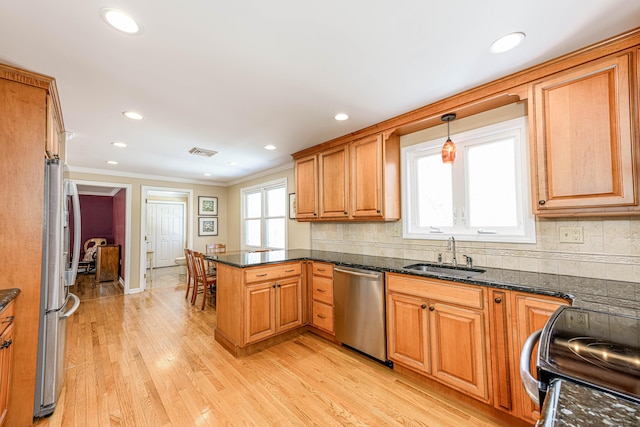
column 150, row 359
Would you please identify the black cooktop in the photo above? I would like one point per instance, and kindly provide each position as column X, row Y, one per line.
column 597, row 349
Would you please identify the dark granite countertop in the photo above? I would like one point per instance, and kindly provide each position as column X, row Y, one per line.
column 7, row 295
column 543, row 284
column 572, row 405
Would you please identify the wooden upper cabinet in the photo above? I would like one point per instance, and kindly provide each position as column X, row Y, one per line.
column 584, row 139
column 52, row 141
column 306, row 172
column 366, row 177
column 334, row 182
column 359, row 180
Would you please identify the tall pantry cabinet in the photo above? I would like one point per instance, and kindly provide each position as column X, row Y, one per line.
column 30, row 122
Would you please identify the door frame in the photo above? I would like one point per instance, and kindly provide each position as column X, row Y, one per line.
column 144, row 191
column 126, row 271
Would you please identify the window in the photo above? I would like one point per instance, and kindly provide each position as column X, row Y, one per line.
column 483, row 196
column 264, row 210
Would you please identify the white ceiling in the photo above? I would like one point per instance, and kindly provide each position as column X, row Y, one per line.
column 233, row 76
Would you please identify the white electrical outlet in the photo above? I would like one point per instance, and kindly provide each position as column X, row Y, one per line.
column 571, row 234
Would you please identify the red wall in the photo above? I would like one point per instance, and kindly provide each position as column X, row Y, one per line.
column 97, row 217
column 119, row 222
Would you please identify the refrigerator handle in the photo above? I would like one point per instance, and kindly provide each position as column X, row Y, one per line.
column 76, row 304
column 70, row 274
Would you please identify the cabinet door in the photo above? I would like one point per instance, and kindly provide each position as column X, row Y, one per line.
column 530, row 314
column 457, row 348
column 584, row 137
column 6, row 356
column 260, row 320
column 52, row 143
column 334, row 182
column 366, row 177
column 408, row 331
column 306, row 170
column 288, row 303
column 501, row 349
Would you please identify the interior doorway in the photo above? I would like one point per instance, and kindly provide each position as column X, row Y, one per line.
column 121, row 194
column 166, row 217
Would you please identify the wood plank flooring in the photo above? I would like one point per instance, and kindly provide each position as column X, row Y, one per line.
column 150, row 359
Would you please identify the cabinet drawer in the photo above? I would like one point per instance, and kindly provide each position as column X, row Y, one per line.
column 7, row 316
column 321, row 269
column 322, row 316
column 259, row 274
column 323, row 290
column 469, row 296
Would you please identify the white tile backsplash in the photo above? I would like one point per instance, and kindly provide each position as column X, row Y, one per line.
column 611, row 248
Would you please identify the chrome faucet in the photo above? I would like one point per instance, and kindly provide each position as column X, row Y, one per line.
column 451, row 245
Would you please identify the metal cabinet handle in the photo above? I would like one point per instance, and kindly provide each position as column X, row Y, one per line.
column 542, row 202
column 432, row 308
column 423, row 306
column 8, row 319
column 6, row 344
column 498, row 300
column 321, row 269
column 321, row 290
column 530, row 384
column 321, row 316
column 290, row 271
column 262, row 275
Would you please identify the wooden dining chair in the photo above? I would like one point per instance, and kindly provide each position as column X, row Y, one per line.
column 191, row 273
column 214, row 249
column 205, row 283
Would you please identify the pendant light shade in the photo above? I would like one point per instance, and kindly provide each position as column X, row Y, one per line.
column 449, row 148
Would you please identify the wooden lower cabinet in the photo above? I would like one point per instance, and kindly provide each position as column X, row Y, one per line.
column 272, row 307
column 529, row 313
column 257, row 303
column 408, row 332
column 513, row 317
column 466, row 337
column 321, row 284
column 441, row 339
column 6, row 358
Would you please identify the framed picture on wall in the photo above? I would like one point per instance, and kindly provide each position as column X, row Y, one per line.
column 207, row 226
column 207, row 206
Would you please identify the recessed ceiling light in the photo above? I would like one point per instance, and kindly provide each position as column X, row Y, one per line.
column 270, row 147
column 112, row 162
column 132, row 115
column 207, row 174
column 506, row 42
column 233, row 163
column 119, row 144
column 341, row 116
column 121, row 21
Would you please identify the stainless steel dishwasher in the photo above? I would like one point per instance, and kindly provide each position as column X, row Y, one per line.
column 358, row 297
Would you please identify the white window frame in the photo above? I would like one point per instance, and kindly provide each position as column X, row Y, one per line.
column 523, row 233
column 262, row 188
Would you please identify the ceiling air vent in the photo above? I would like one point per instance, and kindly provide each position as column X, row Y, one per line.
column 202, row 152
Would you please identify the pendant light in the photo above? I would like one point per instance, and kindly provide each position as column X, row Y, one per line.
column 449, row 148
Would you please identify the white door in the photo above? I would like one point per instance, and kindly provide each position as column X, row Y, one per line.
column 169, row 233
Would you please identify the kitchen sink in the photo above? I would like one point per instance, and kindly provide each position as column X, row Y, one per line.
column 451, row 271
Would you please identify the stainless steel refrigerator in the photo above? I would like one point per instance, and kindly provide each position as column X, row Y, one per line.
column 59, row 269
